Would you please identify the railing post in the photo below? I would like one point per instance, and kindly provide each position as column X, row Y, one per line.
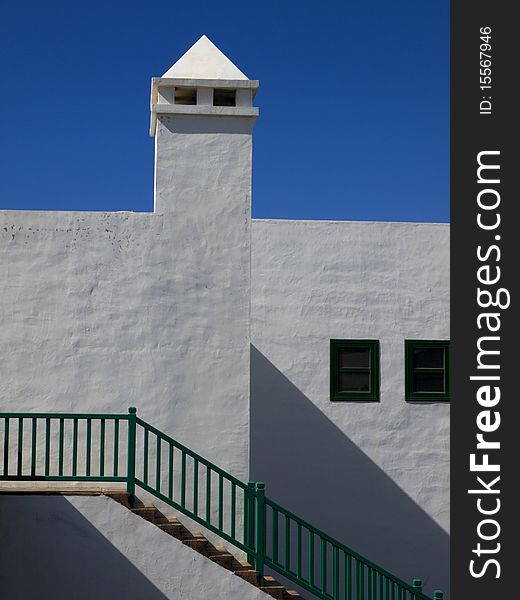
column 249, row 521
column 260, row 533
column 417, row 585
column 438, row 595
column 130, row 470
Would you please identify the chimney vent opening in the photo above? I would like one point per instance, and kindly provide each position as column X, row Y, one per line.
column 185, row 96
column 224, row 97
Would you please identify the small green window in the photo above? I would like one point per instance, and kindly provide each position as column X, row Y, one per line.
column 427, row 365
column 354, row 373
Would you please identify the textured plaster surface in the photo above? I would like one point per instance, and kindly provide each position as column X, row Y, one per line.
column 92, row 547
column 100, row 311
column 374, row 474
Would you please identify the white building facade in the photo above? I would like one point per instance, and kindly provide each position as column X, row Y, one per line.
column 220, row 329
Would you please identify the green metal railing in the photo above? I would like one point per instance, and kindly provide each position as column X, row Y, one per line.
column 95, row 447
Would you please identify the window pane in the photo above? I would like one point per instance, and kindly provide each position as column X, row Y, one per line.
column 428, row 358
column 354, row 382
column 354, row 357
column 428, row 382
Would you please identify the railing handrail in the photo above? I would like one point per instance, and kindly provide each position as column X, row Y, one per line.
column 334, row 542
column 60, row 415
column 194, row 455
column 255, row 501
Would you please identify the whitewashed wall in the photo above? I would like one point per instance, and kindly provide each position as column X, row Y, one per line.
column 100, row 311
column 91, row 547
column 375, row 474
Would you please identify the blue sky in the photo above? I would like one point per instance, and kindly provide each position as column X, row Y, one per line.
column 354, row 102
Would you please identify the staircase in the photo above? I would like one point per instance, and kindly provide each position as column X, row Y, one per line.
column 199, row 543
column 59, row 447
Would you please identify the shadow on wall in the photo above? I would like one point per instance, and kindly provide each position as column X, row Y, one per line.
column 311, row 467
column 40, row 556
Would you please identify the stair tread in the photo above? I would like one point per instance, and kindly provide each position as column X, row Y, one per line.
column 171, row 530
column 220, row 550
column 223, row 561
column 196, row 543
column 244, row 564
column 277, row 586
column 275, row 592
column 172, row 520
column 247, row 571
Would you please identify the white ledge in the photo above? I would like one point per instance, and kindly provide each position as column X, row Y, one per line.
column 249, row 84
column 188, row 109
column 192, row 109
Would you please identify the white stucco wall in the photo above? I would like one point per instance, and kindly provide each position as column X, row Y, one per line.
column 100, row 311
column 374, row 474
column 86, row 547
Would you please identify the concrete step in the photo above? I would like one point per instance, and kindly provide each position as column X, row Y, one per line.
column 249, row 575
column 241, row 565
column 293, row 595
column 199, row 544
column 149, row 513
column 119, row 496
column 275, row 591
column 173, row 528
column 224, row 559
column 143, row 504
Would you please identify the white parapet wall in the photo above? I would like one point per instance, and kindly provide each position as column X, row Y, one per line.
column 373, row 474
column 86, row 547
column 101, row 311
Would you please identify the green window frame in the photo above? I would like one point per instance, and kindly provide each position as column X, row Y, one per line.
column 421, row 365
column 363, row 356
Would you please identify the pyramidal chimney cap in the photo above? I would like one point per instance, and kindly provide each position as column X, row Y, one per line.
column 204, row 61
column 202, row 82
